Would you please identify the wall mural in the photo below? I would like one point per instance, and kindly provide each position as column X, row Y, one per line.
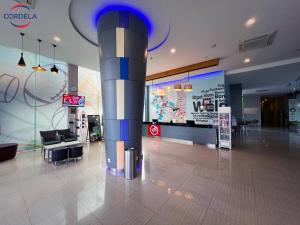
column 89, row 86
column 167, row 108
column 200, row 105
column 29, row 101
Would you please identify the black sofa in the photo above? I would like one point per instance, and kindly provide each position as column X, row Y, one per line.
column 8, row 151
column 49, row 137
column 66, row 135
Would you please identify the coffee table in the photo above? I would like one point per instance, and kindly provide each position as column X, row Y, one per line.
column 48, row 148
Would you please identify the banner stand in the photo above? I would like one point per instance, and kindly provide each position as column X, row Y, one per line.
column 224, row 127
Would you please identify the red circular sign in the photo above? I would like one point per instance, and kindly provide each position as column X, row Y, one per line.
column 153, row 130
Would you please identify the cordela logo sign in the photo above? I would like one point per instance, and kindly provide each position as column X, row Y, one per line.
column 20, row 16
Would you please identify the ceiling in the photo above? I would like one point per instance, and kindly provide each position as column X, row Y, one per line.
column 267, row 81
column 195, row 27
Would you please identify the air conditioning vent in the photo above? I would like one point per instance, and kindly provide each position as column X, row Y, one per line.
column 28, row 2
column 262, row 90
column 257, row 42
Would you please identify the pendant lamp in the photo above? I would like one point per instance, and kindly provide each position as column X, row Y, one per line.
column 160, row 92
column 188, row 86
column 54, row 69
column 39, row 68
column 177, row 87
column 22, row 61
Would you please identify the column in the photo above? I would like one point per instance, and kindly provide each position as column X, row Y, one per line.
column 123, row 41
column 236, row 101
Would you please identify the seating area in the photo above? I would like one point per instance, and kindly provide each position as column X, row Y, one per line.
column 60, row 146
column 56, row 136
column 66, row 135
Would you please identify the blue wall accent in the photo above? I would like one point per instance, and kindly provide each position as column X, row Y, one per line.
column 124, row 130
column 124, row 68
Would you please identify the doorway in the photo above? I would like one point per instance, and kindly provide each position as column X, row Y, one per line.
column 274, row 111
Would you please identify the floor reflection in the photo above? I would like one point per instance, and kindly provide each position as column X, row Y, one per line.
column 257, row 182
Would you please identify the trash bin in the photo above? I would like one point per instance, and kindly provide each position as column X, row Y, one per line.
column 130, row 163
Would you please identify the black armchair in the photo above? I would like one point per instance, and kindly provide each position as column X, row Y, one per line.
column 66, row 135
column 75, row 152
column 59, row 154
column 49, row 137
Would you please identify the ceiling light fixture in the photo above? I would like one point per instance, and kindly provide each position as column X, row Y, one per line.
column 160, row 92
column 177, row 87
column 173, row 50
column 39, row 68
column 54, row 69
column 250, row 22
column 188, row 86
column 22, row 61
column 57, row 39
column 247, row 60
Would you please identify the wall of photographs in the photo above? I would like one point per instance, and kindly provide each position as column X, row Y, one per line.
column 30, row 101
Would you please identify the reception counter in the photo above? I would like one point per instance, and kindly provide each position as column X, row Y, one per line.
column 198, row 134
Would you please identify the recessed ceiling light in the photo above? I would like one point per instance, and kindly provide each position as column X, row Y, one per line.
column 173, row 50
column 250, row 22
column 57, row 39
column 247, row 60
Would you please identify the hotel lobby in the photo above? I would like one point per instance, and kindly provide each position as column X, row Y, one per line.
column 159, row 112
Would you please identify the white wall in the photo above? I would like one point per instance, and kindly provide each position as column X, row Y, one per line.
column 251, row 108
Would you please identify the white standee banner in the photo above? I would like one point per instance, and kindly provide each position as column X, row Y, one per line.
column 292, row 110
column 224, row 121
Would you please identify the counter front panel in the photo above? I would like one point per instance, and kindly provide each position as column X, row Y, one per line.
column 198, row 134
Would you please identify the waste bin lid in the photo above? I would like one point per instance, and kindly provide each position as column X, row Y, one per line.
column 130, row 149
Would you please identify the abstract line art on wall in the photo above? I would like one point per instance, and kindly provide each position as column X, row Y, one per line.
column 58, row 116
column 9, row 87
column 38, row 96
column 29, row 101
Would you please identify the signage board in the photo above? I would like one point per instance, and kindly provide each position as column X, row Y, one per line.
column 224, row 120
column 154, row 130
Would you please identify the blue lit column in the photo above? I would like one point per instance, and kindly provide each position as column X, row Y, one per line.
column 123, row 41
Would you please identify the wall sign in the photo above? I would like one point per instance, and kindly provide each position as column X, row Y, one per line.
column 154, row 130
column 20, row 15
column 200, row 105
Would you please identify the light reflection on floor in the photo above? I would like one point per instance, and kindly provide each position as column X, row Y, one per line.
column 258, row 182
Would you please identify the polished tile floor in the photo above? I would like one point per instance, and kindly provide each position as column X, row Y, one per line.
column 257, row 183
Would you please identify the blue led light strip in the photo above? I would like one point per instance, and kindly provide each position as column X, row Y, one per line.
column 198, row 76
column 125, row 8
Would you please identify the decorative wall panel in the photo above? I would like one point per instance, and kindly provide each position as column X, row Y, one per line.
column 29, row 101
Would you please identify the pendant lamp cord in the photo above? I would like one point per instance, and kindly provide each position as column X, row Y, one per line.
column 39, row 50
column 22, row 41
column 54, row 46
